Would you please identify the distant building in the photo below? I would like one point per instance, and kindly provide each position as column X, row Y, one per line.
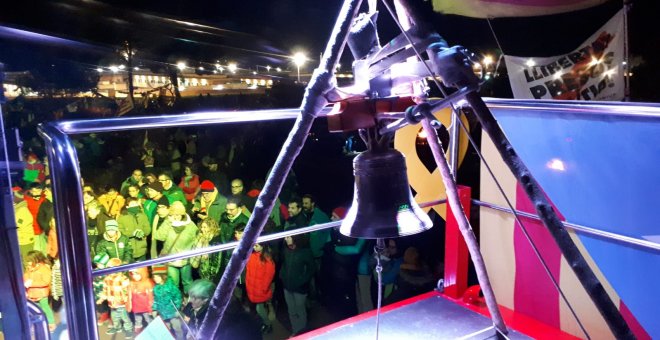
column 190, row 84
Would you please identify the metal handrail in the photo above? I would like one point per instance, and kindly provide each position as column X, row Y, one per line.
column 38, row 320
column 230, row 245
column 67, row 195
column 579, row 228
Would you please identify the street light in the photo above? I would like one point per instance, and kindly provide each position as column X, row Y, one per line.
column 232, row 67
column 181, row 65
column 299, row 59
column 488, row 60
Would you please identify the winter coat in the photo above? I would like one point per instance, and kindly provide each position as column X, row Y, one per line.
column 196, row 317
column 295, row 222
column 258, row 278
column 228, row 226
column 33, row 205
column 297, row 269
column 209, row 267
column 185, row 236
column 150, row 206
column 190, row 188
column 142, row 292
column 173, row 194
column 96, row 229
column 24, row 219
column 116, row 291
column 215, row 209
column 45, row 214
column 119, row 247
column 112, row 205
column 40, row 275
column 318, row 239
column 167, row 299
column 128, row 224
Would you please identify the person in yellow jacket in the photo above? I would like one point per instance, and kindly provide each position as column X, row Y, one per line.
column 24, row 228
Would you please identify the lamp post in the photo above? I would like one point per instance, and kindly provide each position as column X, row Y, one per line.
column 299, row 59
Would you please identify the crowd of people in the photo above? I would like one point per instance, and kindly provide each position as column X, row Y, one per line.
column 178, row 196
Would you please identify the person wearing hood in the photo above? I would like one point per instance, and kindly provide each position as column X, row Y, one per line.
column 179, row 233
column 113, row 244
column 135, row 224
column 210, row 203
column 141, row 293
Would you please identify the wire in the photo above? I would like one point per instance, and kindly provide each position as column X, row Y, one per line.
column 473, row 143
column 378, row 249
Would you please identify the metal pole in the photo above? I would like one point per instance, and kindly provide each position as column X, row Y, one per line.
column 464, row 225
column 313, row 102
column 71, row 233
column 13, row 301
column 589, row 281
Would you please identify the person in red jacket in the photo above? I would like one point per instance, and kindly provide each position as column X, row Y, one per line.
column 34, row 196
column 260, row 272
column 37, row 279
column 141, row 296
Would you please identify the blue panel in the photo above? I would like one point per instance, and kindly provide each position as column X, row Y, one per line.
column 601, row 170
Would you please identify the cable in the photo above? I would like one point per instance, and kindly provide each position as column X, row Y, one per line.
column 378, row 249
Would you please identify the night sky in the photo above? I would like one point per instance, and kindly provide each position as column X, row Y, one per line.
column 255, row 32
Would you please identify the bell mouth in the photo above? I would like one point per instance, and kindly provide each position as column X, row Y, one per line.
column 383, row 206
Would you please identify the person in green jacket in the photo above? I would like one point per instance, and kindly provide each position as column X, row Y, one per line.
column 114, row 244
column 167, row 299
column 171, row 191
column 210, row 203
column 179, row 234
column 298, row 268
column 135, row 225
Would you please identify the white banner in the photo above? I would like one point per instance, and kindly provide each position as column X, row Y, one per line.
column 594, row 71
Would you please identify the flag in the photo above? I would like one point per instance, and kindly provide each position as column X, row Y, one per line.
column 510, row 8
column 125, row 105
column 593, row 71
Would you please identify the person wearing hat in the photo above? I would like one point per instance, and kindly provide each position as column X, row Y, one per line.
column 210, row 203
column 179, row 233
column 114, row 244
column 167, row 298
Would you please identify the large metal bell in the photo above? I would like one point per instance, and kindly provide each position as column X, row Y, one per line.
column 383, row 206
